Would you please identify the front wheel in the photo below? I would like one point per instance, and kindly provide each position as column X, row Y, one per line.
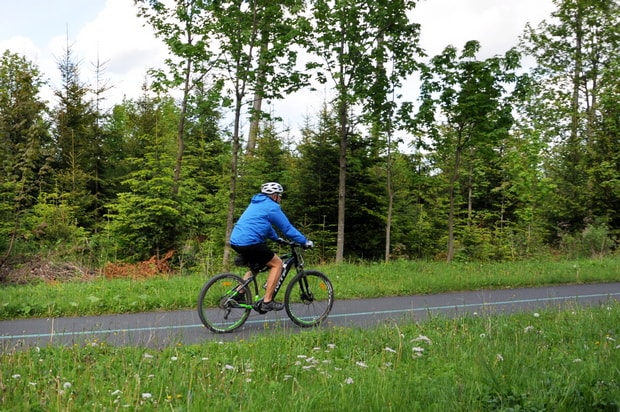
column 220, row 307
column 309, row 298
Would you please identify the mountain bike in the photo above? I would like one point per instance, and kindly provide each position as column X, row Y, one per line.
column 226, row 300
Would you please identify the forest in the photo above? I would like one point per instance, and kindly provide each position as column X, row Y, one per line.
column 490, row 159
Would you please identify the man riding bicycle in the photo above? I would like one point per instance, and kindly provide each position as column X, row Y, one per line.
column 251, row 231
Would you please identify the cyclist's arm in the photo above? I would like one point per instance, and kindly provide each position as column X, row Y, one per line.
column 280, row 220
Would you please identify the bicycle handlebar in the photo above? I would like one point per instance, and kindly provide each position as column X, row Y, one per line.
column 293, row 243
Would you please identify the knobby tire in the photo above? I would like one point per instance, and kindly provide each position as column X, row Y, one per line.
column 216, row 309
column 309, row 298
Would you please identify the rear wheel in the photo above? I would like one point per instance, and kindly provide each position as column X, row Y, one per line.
column 309, row 298
column 220, row 307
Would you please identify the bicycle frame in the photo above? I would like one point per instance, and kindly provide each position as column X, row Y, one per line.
column 290, row 260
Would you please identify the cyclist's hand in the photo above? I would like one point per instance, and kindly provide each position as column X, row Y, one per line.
column 309, row 244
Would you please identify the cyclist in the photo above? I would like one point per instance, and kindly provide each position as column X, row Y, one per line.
column 251, row 231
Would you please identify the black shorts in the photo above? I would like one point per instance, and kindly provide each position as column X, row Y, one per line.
column 258, row 254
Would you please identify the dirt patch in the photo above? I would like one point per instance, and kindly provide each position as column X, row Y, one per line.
column 37, row 269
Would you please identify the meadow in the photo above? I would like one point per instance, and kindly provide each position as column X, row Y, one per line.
column 551, row 360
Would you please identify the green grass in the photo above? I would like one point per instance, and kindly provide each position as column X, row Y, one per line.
column 78, row 298
column 549, row 361
column 555, row 360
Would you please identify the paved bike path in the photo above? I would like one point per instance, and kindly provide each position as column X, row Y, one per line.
column 159, row 329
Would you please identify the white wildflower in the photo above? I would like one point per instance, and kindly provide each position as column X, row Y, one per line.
column 116, row 392
column 146, row 395
column 483, row 335
column 528, row 329
column 499, row 357
column 301, row 356
column 387, row 349
column 348, row 381
column 609, row 338
column 316, row 348
column 147, row 356
column 308, row 367
column 66, row 385
column 287, row 377
column 174, row 358
column 331, row 345
column 361, row 364
column 16, row 376
column 228, row 368
column 423, row 338
column 417, row 351
column 577, row 360
column 536, row 314
column 248, row 380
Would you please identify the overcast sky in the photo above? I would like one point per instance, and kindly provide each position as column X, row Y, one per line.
column 109, row 31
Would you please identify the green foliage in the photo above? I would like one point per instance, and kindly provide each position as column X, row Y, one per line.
column 144, row 221
column 53, row 221
column 516, row 166
column 475, row 110
column 24, row 144
column 594, row 240
column 575, row 84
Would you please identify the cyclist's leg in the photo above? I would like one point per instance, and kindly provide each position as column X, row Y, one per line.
column 275, row 268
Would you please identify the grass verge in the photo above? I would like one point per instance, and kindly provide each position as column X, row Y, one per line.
column 553, row 360
column 102, row 296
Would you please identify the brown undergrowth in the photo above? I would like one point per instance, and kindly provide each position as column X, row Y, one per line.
column 140, row 270
column 34, row 269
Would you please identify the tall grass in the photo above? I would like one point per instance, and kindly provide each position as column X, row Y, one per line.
column 100, row 296
column 565, row 360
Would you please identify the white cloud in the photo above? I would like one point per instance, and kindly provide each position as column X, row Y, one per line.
column 111, row 32
column 497, row 24
column 119, row 39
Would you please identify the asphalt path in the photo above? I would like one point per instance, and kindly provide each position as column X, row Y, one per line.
column 160, row 329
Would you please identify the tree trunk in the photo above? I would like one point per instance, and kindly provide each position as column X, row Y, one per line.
column 230, row 217
column 181, row 131
column 453, row 179
column 390, row 195
column 258, row 96
column 342, row 178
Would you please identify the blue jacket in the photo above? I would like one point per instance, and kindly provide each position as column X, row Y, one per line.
column 257, row 221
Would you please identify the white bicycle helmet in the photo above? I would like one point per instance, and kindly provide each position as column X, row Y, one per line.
column 270, row 188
